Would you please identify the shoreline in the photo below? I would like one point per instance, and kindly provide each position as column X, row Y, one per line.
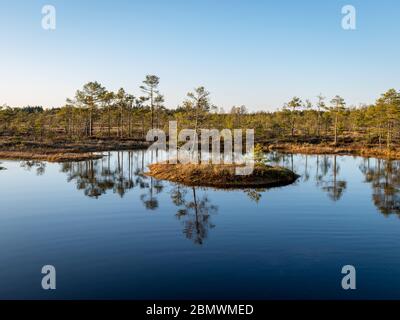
column 50, row 157
column 344, row 150
column 62, row 151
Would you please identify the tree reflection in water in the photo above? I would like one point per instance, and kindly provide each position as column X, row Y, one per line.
column 327, row 171
column 194, row 212
column 149, row 200
column 333, row 186
column 323, row 166
column 121, row 171
column 96, row 177
column 39, row 166
column 153, row 188
column 384, row 176
column 254, row 194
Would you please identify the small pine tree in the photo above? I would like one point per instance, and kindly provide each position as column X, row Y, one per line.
column 258, row 154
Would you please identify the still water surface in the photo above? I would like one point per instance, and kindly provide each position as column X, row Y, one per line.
column 112, row 232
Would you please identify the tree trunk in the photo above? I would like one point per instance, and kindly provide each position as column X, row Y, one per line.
column 380, row 137
column 143, row 127
column 90, row 123
column 130, row 123
column 109, row 121
column 122, row 122
column 336, row 123
column 152, row 108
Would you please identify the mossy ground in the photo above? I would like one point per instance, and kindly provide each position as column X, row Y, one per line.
column 47, row 156
column 222, row 175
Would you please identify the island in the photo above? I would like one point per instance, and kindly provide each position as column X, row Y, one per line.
column 222, row 175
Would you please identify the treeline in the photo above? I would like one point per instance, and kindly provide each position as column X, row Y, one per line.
column 95, row 112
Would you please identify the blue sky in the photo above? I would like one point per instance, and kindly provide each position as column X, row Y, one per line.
column 256, row 53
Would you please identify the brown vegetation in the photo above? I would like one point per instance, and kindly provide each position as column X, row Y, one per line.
column 51, row 157
column 64, row 150
column 60, row 150
column 221, row 175
column 357, row 150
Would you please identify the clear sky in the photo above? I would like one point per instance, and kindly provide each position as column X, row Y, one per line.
column 256, row 53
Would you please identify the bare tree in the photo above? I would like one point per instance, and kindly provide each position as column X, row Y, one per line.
column 150, row 88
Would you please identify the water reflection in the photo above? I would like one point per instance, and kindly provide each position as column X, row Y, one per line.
column 326, row 167
column 254, row 194
column 384, row 177
column 39, row 166
column 149, row 198
column 123, row 222
column 331, row 184
column 194, row 212
column 122, row 171
column 117, row 172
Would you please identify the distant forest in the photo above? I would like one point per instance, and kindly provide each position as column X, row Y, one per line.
column 94, row 112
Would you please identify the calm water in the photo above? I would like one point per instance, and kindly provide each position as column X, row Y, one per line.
column 113, row 233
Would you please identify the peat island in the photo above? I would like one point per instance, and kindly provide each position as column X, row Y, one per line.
column 222, row 175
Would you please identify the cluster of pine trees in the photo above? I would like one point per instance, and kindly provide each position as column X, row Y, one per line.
column 95, row 112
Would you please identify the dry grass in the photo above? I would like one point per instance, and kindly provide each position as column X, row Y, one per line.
column 51, row 157
column 332, row 149
column 62, row 150
column 63, row 146
column 221, row 175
